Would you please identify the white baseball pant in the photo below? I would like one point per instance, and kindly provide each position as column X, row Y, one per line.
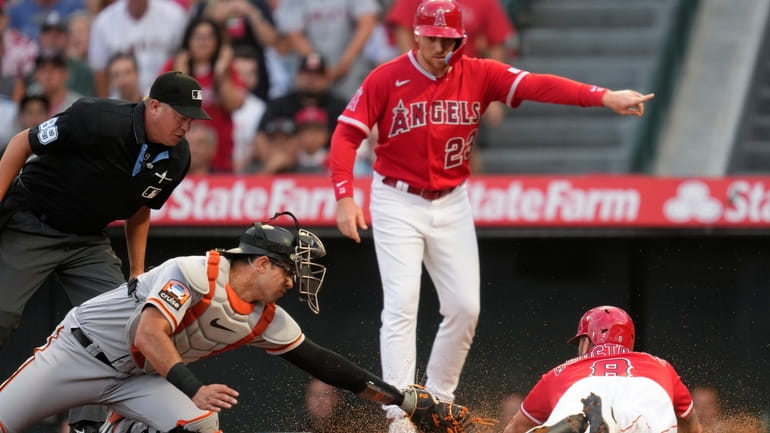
column 409, row 231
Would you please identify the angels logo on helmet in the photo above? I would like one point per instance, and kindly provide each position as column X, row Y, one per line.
column 439, row 18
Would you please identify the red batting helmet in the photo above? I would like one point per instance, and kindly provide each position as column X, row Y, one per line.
column 606, row 324
column 439, row 18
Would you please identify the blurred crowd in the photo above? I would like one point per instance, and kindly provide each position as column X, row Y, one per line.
column 275, row 74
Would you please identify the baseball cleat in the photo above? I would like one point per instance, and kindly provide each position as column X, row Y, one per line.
column 600, row 417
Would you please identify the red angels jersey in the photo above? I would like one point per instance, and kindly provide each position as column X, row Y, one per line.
column 427, row 125
column 644, row 391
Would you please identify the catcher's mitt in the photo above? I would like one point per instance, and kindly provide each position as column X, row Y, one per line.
column 432, row 415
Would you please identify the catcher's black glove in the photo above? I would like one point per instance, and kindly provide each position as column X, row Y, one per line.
column 432, row 415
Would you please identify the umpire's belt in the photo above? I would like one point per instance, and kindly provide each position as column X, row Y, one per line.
column 427, row 194
column 90, row 346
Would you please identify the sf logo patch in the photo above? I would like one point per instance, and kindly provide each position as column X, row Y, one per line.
column 175, row 294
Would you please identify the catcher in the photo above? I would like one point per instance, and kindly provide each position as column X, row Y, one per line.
column 129, row 348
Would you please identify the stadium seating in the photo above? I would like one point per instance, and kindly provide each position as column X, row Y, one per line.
column 616, row 44
column 751, row 153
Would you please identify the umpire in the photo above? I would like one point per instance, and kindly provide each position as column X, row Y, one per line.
column 99, row 161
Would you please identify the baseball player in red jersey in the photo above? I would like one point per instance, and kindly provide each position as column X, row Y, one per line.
column 638, row 392
column 426, row 106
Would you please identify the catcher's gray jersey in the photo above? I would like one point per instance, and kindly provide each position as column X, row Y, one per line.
column 206, row 318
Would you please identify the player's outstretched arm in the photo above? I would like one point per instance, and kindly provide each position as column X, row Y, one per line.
column 626, row 102
column 334, row 369
column 429, row 414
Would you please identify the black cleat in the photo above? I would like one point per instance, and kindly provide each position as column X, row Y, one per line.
column 600, row 418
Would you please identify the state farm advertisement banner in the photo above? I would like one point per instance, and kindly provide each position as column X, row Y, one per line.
column 498, row 201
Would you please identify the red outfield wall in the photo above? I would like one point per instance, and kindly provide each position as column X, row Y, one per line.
column 498, row 201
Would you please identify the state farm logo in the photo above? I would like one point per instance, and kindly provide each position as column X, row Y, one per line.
column 744, row 202
column 209, row 200
column 559, row 201
column 496, row 201
column 693, row 201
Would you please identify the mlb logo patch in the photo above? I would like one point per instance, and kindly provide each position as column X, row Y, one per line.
column 197, row 95
column 174, row 293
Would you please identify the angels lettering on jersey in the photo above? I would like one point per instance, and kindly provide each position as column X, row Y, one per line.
column 438, row 112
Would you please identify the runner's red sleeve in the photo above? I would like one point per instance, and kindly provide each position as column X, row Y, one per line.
column 559, row 90
column 342, row 155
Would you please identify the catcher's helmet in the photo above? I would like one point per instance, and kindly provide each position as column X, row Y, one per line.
column 606, row 324
column 439, row 18
column 296, row 248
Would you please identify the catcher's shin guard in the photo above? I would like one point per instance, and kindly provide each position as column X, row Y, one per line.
column 572, row 424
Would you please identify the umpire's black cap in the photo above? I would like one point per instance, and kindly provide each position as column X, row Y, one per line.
column 182, row 92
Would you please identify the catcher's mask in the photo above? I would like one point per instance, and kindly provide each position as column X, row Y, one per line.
column 296, row 248
column 606, row 324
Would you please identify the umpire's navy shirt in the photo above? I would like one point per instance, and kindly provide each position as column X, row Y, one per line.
column 93, row 165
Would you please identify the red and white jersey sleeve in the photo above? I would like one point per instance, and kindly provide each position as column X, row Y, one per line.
column 638, row 386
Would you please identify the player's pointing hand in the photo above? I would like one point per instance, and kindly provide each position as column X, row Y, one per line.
column 626, row 102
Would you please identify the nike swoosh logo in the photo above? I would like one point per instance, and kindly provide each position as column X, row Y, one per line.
column 400, row 83
column 215, row 324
